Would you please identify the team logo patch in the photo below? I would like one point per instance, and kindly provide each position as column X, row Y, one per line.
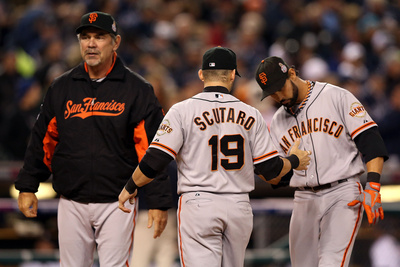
column 283, row 67
column 114, row 27
column 357, row 110
column 164, row 128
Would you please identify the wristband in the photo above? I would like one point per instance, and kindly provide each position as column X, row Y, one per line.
column 373, row 177
column 131, row 186
column 294, row 161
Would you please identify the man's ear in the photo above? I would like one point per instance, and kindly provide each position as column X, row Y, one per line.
column 200, row 73
column 117, row 42
column 233, row 75
column 292, row 73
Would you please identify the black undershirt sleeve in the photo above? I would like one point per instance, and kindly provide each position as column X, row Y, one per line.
column 285, row 180
column 269, row 169
column 154, row 161
column 371, row 145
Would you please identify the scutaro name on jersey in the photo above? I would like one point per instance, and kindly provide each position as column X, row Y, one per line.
column 89, row 107
column 322, row 125
column 224, row 115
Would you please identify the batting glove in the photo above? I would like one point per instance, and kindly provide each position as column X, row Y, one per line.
column 371, row 200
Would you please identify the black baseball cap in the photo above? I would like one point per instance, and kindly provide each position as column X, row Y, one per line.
column 219, row 58
column 271, row 75
column 99, row 20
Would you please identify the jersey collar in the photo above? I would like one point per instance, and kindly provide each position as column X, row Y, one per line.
column 295, row 111
column 219, row 89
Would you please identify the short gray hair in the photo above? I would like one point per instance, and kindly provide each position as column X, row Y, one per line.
column 216, row 75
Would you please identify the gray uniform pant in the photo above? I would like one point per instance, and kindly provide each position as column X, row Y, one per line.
column 323, row 228
column 163, row 251
column 213, row 229
column 83, row 226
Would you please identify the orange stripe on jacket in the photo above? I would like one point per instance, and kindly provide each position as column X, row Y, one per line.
column 362, row 127
column 141, row 141
column 354, row 230
column 50, row 142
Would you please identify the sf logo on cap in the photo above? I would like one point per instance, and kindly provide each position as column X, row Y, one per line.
column 263, row 78
column 92, row 17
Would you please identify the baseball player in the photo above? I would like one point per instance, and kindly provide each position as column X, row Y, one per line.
column 216, row 140
column 329, row 200
column 95, row 124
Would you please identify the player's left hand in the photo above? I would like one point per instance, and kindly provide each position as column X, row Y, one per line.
column 371, row 200
column 302, row 155
column 159, row 218
column 123, row 197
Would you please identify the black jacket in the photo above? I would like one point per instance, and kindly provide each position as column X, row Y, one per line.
column 91, row 136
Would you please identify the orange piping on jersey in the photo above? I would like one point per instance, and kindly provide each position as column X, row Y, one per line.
column 141, row 142
column 133, row 231
column 180, row 236
column 362, row 127
column 165, row 147
column 303, row 103
column 109, row 70
column 354, row 230
column 50, row 142
column 307, row 95
column 265, row 156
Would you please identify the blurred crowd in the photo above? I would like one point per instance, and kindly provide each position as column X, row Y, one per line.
column 354, row 44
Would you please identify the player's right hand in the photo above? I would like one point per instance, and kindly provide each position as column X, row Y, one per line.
column 371, row 201
column 28, row 204
column 303, row 155
column 159, row 218
column 123, row 197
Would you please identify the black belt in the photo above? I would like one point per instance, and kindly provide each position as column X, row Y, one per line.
column 323, row 186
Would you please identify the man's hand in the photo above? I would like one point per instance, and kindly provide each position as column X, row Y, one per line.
column 123, row 197
column 160, row 218
column 304, row 156
column 28, row 204
column 371, row 200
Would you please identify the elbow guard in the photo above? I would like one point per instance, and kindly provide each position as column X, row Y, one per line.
column 371, row 145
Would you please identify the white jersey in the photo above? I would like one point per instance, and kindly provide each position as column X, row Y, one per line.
column 216, row 139
column 327, row 122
